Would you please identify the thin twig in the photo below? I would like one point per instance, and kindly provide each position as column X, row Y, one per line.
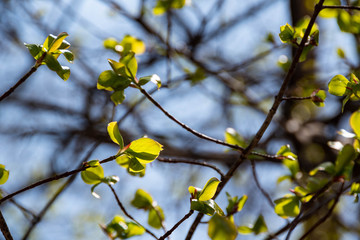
column 204, row 164
column 342, row 7
column 127, row 214
column 177, row 225
column 295, row 98
column 4, row 228
column 21, row 81
column 53, row 178
column 262, row 190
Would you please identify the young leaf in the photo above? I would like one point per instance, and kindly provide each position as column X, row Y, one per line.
column 287, row 33
column 318, row 97
column 355, row 122
column 4, row 174
column 132, row 44
column 235, row 204
column 156, row 217
column 221, row 228
column 56, row 43
column 117, row 97
column 153, row 78
column 162, row 6
column 344, row 158
column 144, row 149
column 114, row 133
column 259, row 225
column 337, row 85
column 35, row 50
column 205, row 207
column 232, row 137
column 287, row 206
column 142, row 200
column 130, row 65
column 209, row 189
column 93, row 175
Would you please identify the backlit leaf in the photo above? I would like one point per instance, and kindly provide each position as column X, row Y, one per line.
column 355, row 122
column 287, row 206
column 337, row 85
column 209, row 189
column 114, row 133
column 144, row 149
column 221, row 228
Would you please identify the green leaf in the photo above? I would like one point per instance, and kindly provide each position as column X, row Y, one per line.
column 130, row 65
column 144, row 149
column 330, row 13
column 135, row 165
column 287, row 33
column 340, row 52
column 35, row 50
column 290, row 159
column 134, row 229
column 156, row 217
column 344, row 158
column 355, row 188
column 235, row 204
column 132, row 44
column 110, row 43
column 4, row 174
column 118, row 67
column 110, row 81
column 355, row 122
column 234, row 138
column 221, row 228
column 209, row 189
column 114, row 133
column 194, row 191
column 162, row 6
column 287, row 206
column 258, row 227
column 68, row 55
column 142, row 200
column 318, row 97
column 205, row 207
column 119, row 228
column 153, row 78
column 56, row 43
column 93, row 175
column 327, row 167
column 53, row 64
column 337, row 85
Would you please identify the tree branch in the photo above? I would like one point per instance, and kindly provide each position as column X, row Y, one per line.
column 4, row 228
column 176, row 225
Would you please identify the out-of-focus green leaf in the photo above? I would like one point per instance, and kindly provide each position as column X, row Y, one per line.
column 233, row 137
column 156, row 217
column 344, row 158
column 142, row 200
column 258, row 227
column 114, row 133
column 318, row 97
column 328, row 167
column 132, row 44
column 209, row 189
column 355, row 122
column 287, row 206
column 221, row 228
column 235, row 204
column 4, row 174
column 153, row 78
column 119, row 228
column 290, row 160
column 162, row 6
column 330, row 13
column 110, row 43
column 340, row 52
column 117, row 97
column 337, row 85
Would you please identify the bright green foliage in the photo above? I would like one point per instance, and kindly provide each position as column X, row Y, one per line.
column 201, row 198
column 290, row 161
column 341, row 86
column 258, row 227
column 139, row 153
column 49, row 51
column 355, row 190
column 143, row 200
column 330, row 13
column 94, row 174
column 115, row 135
column 221, row 228
column 162, row 6
column 123, row 73
column 344, row 160
column 340, row 52
column 349, row 22
column 235, row 204
column 118, row 228
column 294, row 36
column 4, row 174
column 327, row 167
column 318, row 97
column 233, row 137
column 195, row 77
column 287, row 206
column 127, row 44
column 355, row 123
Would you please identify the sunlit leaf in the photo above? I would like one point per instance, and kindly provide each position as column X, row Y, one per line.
column 114, row 133
column 142, row 200
column 93, row 175
column 144, row 149
column 355, row 122
column 221, row 228
column 209, row 189
column 56, row 43
column 130, row 43
column 232, row 137
column 4, row 174
column 287, row 206
column 318, row 97
column 337, row 85
column 344, row 158
column 286, row 33
column 156, row 217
